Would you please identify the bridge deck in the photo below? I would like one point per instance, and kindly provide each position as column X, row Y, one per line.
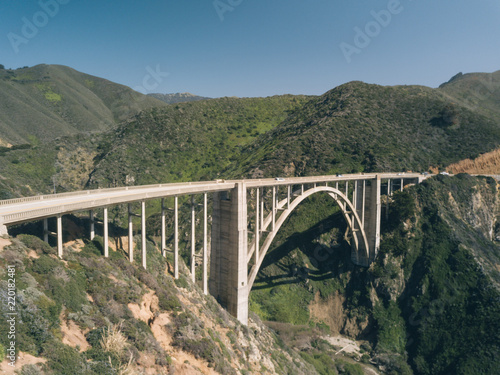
column 38, row 207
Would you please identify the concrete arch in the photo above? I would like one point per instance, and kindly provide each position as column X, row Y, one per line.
column 346, row 207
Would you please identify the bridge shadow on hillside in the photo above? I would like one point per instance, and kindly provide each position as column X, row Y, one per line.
column 302, row 257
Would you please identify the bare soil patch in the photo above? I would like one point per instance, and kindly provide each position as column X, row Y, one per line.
column 22, row 360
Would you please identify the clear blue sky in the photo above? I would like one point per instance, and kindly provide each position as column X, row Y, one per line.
column 254, row 47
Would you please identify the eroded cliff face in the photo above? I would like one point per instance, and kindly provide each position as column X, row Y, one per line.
column 437, row 272
column 471, row 208
column 477, row 207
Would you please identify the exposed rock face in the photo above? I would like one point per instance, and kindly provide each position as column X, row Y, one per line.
column 333, row 313
column 480, row 210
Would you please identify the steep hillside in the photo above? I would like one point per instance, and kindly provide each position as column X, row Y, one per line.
column 48, row 101
column 86, row 314
column 178, row 97
column 360, row 127
column 180, row 142
column 488, row 163
column 428, row 305
column 477, row 91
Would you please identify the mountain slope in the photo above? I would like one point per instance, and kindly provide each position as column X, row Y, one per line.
column 86, row 314
column 477, row 91
column 48, row 101
column 430, row 303
column 360, row 127
column 184, row 141
column 178, row 97
column 488, row 163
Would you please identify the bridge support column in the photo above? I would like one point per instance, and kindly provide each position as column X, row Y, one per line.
column 163, row 229
column 92, row 224
column 176, row 237
column 143, row 233
column 193, row 240
column 205, row 245
column 3, row 230
column 368, row 206
column 106, row 233
column 130, row 234
column 228, row 264
column 387, row 200
column 59, row 237
column 46, row 230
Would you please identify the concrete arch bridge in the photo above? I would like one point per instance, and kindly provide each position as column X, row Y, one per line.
column 237, row 248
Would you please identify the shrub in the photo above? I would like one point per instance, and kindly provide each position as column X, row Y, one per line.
column 91, row 249
column 70, row 293
column 35, row 243
column 31, row 370
column 64, row 360
column 45, row 264
column 181, row 282
column 168, row 301
column 113, row 340
column 323, row 363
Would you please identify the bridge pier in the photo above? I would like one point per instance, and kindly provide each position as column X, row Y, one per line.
column 46, row 230
column 228, row 263
column 366, row 200
column 59, row 237
column 92, row 225
column 143, row 234
column 106, row 232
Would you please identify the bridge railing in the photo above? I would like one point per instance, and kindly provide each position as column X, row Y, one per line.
column 7, row 202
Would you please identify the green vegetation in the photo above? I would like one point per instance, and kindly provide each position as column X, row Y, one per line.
column 451, row 312
column 436, row 311
column 50, row 101
column 186, row 141
column 426, row 306
column 48, row 93
column 358, row 127
column 94, row 294
column 477, row 91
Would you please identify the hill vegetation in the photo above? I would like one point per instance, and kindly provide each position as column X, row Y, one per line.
column 353, row 128
column 86, row 314
column 488, row 163
column 428, row 305
column 359, row 127
column 180, row 142
column 44, row 102
column 178, row 97
column 479, row 92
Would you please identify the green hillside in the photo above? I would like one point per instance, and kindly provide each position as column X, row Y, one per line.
column 476, row 91
column 48, row 101
column 428, row 305
column 359, row 127
column 181, row 142
column 178, row 97
column 89, row 315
